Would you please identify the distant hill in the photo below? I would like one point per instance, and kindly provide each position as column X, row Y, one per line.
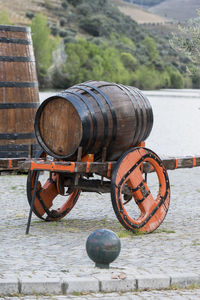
column 138, row 14
column 101, row 40
column 177, row 9
column 145, row 3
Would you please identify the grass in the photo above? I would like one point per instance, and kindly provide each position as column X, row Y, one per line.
column 192, row 286
column 13, row 188
column 19, row 187
column 77, row 294
column 164, row 231
column 77, row 225
column 196, row 243
column 123, row 233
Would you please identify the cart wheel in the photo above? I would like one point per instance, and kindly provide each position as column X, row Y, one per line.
column 131, row 195
column 47, row 190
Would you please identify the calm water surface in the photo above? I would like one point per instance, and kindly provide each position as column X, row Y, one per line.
column 176, row 129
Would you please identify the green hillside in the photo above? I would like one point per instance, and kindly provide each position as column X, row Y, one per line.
column 79, row 40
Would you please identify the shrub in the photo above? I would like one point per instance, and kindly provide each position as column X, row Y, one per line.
column 176, row 79
column 84, row 9
column 128, row 60
column 64, row 4
column 54, row 30
column 30, row 15
column 63, row 22
column 63, row 33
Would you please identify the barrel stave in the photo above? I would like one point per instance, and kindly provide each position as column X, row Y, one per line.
column 19, row 97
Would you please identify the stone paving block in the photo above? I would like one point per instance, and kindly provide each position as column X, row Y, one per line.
column 153, row 281
column 183, row 280
column 30, row 286
column 109, row 285
column 9, row 286
column 80, row 285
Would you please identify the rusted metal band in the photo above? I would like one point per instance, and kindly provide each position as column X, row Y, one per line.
column 15, row 41
column 17, row 58
column 130, row 95
column 18, row 150
column 18, row 84
column 14, row 28
column 19, row 147
column 112, row 110
column 19, row 105
column 17, row 136
column 91, row 110
column 148, row 111
column 103, row 111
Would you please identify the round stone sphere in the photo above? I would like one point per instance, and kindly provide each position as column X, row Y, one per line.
column 103, row 247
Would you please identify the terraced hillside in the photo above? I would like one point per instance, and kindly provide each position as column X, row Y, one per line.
column 140, row 15
column 177, row 9
column 17, row 10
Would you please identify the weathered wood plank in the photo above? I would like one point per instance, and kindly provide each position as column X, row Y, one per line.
column 100, row 168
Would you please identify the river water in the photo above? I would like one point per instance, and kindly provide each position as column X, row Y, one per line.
column 176, row 121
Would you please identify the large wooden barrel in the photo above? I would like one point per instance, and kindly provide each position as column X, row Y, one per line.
column 93, row 115
column 19, row 97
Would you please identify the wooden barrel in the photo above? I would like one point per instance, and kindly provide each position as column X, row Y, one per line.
column 19, row 97
column 93, row 115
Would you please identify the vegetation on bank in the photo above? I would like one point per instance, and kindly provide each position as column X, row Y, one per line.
column 94, row 41
column 187, row 42
column 44, row 44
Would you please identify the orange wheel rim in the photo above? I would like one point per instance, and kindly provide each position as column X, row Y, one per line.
column 45, row 196
column 128, row 173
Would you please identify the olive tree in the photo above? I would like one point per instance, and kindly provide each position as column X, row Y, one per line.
column 187, row 40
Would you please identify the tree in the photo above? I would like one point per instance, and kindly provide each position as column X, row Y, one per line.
column 43, row 44
column 187, row 42
column 151, row 48
column 129, row 61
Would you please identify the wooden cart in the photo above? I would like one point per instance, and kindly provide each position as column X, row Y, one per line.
column 125, row 180
column 92, row 138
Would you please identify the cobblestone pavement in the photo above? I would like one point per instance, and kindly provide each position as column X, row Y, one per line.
column 60, row 245
column 146, row 295
column 52, row 248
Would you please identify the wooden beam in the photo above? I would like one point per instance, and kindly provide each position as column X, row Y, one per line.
column 100, row 168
